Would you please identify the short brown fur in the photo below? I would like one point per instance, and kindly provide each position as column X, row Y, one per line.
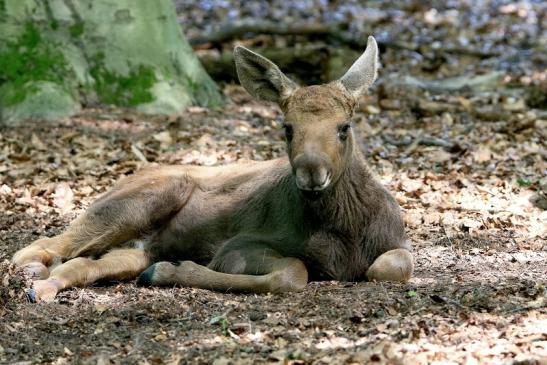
column 256, row 226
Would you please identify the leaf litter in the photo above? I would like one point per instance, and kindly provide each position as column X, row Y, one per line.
column 467, row 166
column 478, row 294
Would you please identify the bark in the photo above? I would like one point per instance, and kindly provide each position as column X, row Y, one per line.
column 59, row 55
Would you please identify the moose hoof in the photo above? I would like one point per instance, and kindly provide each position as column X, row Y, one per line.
column 159, row 274
column 32, row 296
column 36, row 270
column 43, row 291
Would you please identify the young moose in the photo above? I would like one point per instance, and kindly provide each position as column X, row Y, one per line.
column 253, row 227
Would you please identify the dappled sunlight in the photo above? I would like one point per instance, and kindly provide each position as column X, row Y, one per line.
column 463, row 340
column 478, row 244
column 455, row 128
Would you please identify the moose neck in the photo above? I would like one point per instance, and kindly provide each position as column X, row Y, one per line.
column 343, row 206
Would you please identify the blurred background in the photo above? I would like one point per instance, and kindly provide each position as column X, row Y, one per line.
column 316, row 38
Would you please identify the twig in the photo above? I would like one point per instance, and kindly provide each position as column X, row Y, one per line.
column 433, row 141
column 425, row 140
column 402, row 142
column 138, row 153
column 477, row 210
column 537, row 304
column 484, row 190
column 414, row 144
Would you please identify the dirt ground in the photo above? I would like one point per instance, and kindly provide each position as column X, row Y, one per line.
column 478, row 295
column 468, row 168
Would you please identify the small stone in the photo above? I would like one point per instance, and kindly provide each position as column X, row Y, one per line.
column 514, row 105
column 163, row 137
column 392, row 324
column 160, row 337
column 371, row 109
column 390, row 104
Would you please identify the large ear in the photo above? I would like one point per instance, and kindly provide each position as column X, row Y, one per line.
column 261, row 77
column 363, row 72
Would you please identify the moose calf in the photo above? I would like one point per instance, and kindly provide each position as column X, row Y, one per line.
column 251, row 227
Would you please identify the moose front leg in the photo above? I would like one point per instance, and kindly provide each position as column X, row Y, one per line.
column 393, row 265
column 237, row 267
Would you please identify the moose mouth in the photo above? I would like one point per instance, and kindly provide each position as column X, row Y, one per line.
column 312, row 194
column 308, row 182
column 316, row 191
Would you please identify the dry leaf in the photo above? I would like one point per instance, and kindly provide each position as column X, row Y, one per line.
column 5, row 190
column 482, row 155
column 411, row 185
column 439, row 156
column 163, row 137
column 26, row 199
column 37, row 143
column 63, row 197
column 470, row 223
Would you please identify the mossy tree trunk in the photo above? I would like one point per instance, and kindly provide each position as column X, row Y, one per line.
column 59, row 55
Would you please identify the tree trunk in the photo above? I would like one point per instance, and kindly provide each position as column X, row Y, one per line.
column 59, row 55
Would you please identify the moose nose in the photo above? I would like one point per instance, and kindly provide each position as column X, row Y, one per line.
column 311, row 173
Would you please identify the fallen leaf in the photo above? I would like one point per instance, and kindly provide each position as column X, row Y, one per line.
column 26, row 199
column 100, row 308
column 63, row 197
column 164, row 138
column 37, row 143
column 482, row 155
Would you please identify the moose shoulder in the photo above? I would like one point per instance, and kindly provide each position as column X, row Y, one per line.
column 254, row 227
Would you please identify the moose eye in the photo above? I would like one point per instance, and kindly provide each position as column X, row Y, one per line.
column 343, row 131
column 288, row 132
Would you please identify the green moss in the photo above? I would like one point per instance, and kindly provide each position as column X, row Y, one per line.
column 76, row 30
column 192, row 86
column 29, row 59
column 123, row 90
column 204, row 94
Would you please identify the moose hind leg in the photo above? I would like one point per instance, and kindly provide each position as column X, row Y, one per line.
column 121, row 264
column 239, row 268
column 290, row 275
column 247, row 254
column 393, row 265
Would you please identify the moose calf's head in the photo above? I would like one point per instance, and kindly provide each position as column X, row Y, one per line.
column 317, row 118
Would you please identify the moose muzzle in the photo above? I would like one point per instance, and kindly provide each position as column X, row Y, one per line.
column 312, row 172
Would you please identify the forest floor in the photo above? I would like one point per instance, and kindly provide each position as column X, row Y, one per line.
column 478, row 294
column 466, row 164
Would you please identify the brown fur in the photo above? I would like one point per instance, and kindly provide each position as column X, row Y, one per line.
column 246, row 227
column 319, row 98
